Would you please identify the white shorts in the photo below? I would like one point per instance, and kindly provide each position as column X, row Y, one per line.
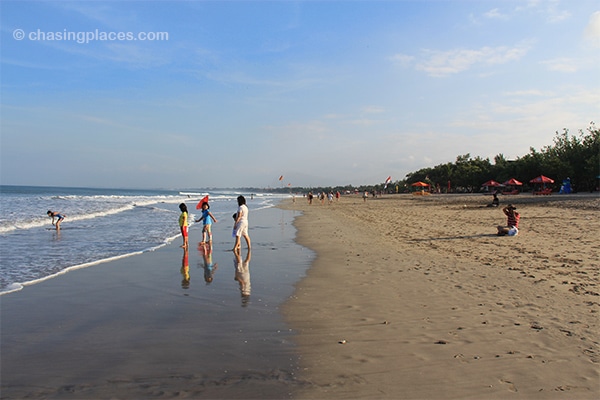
column 513, row 231
column 242, row 228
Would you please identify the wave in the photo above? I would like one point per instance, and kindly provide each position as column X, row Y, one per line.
column 38, row 223
column 17, row 286
column 112, row 209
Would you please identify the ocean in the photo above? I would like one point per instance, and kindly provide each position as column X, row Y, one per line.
column 100, row 225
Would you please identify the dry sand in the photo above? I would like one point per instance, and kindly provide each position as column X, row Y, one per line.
column 415, row 297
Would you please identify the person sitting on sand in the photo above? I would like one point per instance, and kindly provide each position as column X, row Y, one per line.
column 57, row 215
column 495, row 202
column 512, row 224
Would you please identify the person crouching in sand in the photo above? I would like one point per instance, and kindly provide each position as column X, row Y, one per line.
column 512, row 223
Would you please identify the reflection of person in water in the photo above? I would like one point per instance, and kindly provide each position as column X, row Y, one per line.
column 210, row 267
column 242, row 275
column 185, row 270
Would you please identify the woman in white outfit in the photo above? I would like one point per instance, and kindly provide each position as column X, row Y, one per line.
column 241, row 224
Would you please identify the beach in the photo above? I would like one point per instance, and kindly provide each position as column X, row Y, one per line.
column 416, row 297
column 398, row 297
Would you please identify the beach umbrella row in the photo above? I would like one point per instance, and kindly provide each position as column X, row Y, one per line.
column 514, row 182
column 510, row 182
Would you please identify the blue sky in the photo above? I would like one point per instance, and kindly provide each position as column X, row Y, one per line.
column 322, row 92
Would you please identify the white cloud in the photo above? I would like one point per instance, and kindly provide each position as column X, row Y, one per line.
column 373, row 110
column 495, row 14
column 549, row 9
column 442, row 63
column 592, row 30
column 562, row 64
column 402, row 60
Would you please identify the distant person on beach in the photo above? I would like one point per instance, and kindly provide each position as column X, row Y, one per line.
column 310, row 197
column 512, row 223
column 241, row 224
column 183, row 224
column 207, row 220
column 59, row 217
column 495, row 202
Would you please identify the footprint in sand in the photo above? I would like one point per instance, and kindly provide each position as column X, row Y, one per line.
column 511, row 386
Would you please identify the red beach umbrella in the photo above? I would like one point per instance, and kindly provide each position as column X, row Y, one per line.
column 491, row 182
column 513, row 182
column 541, row 179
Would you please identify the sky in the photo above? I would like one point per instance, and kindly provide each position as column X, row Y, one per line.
column 223, row 94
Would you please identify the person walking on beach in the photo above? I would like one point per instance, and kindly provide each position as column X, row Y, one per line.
column 207, row 220
column 512, row 223
column 59, row 217
column 241, row 224
column 183, row 224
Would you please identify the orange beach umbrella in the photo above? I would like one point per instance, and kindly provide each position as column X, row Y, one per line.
column 420, row 184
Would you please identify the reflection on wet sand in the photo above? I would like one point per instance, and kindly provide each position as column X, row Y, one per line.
column 185, row 270
column 242, row 275
column 209, row 266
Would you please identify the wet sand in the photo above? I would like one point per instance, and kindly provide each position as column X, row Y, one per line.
column 139, row 328
column 415, row 297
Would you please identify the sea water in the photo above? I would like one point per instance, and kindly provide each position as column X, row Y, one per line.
column 99, row 225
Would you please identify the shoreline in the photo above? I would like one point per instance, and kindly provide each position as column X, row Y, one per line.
column 417, row 297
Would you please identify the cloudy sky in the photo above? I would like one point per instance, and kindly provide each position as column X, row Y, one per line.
column 193, row 94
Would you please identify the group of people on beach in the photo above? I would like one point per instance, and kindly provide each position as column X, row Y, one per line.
column 240, row 226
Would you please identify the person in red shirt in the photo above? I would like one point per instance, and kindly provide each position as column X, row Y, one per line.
column 512, row 223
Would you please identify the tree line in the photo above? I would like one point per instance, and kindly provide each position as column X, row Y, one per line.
column 573, row 156
column 576, row 157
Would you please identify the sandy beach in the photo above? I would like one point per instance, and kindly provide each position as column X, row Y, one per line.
column 408, row 297
column 415, row 297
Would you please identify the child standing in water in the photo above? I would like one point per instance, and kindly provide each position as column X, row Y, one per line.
column 183, row 224
column 207, row 219
column 57, row 215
